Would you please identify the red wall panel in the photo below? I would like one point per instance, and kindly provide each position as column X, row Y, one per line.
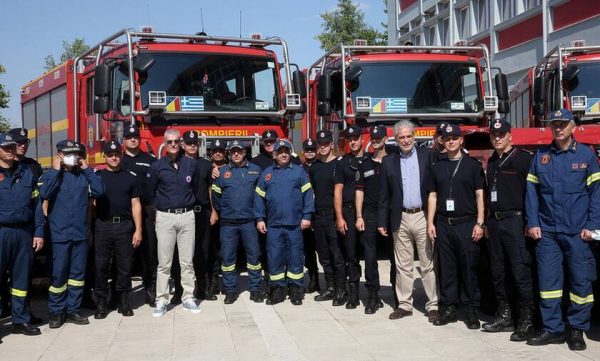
column 406, row 3
column 574, row 11
column 519, row 33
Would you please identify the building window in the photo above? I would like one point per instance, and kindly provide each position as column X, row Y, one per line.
column 463, row 23
column 417, row 39
column 530, row 4
column 443, row 5
column 482, row 14
column 415, row 23
column 431, row 36
column 445, row 32
column 507, row 8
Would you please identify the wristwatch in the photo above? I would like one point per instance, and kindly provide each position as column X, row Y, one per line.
column 481, row 225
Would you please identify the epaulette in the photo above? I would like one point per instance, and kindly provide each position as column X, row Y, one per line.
column 132, row 173
column 526, row 151
column 340, row 158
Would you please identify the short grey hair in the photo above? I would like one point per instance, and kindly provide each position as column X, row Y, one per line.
column 404, row 123
column 171, row 132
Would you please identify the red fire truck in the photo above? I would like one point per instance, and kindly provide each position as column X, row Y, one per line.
column 220, row 86
column 368, row 85
column 567, row 77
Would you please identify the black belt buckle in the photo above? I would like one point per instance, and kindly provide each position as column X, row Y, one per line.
column 197, row 209
column 412, row 210
column 116, row 219
column 500, row 215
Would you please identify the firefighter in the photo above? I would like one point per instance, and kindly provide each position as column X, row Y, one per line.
column 506, row 178
column 265, row 158
column 21, row 228
column 20, row 135
column 344, row 204
column 118, row 230
column 283, row 206
column 563, row 207
column 309, row 147
column 67, row 186
column 455, row 222
column 329, row 246
column 137, row 161
column 233, row 199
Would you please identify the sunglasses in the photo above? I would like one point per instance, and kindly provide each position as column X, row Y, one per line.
column 24, row 142
column 173, row 141
column 130, row 137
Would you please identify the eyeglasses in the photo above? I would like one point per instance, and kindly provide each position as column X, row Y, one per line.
column 23, row 142
column 192, row 144
column 172, row 141
column 8, row 148
column 131, row 137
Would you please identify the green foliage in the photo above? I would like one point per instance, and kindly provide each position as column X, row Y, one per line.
column 70, row 51
column 346, row 23
column 4, row 98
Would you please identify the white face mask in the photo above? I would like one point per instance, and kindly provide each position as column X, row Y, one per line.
column 70, row 160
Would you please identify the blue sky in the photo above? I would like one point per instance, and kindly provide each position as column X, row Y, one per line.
column 31, row 29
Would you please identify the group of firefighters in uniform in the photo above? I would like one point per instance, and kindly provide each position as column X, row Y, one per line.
column 189, row 216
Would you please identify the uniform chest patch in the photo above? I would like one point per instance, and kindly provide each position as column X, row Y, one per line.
column 227, row 175
column 268, row 177
column 582, row 165
column 369, row 173
column 357, row 177
column 1, row 177
column 188, row 178
column 253, row 172
column 545, row 159
column 575, row 166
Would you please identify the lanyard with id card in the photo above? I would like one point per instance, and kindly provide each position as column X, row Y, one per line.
column 494, row 188
column 450, row 201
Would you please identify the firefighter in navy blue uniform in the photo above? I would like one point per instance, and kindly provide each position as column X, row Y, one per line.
column 137, row 161
column 455, row 215
column 506, row 178
column 329, row 246
column 21, row 223
column 67, row 186
column 283, row 206
column 563, row 207
column 344, row 203
column 233, row 198
column 118, row 231
column 309, row 147
column 20, row 135
column 265, row 158
column 367, row 202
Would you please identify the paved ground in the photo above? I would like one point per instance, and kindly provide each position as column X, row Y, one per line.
column 249, row 331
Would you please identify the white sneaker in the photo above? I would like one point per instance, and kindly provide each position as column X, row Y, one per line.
column 160, row 310
column 190, row 305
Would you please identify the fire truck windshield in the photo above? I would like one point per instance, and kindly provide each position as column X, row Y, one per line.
column 214, row 82
column 420, row 87
column 588, row 80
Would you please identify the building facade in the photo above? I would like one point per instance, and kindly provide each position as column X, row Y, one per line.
column 517, row 32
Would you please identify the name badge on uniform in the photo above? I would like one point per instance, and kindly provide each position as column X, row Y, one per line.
column 494, row 196
column 449, row 205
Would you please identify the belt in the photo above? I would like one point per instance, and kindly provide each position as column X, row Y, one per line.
column 14, row 225
column 499, row 215
column 177, row 210
column 455, row 220
column 412, row 210
column 197, row 208
column 119, row 219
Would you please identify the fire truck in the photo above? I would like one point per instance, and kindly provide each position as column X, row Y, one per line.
column 220, row 86
column 567, row 77
column 369, row 85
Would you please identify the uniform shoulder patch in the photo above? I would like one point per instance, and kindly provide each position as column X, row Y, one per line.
column 526, row 151
column 132, row 173
column 268, row 177
column 1, row 177
column 545, row 159
column 340, row 158
column 227, row 175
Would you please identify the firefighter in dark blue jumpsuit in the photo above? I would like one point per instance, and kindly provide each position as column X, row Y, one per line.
column 233, row 199
column 283, row 206
column 67, row 187
column 21, row 220
column 563, row 207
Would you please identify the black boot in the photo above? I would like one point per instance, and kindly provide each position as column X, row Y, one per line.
column 276, row 295
column 447, row 314
column 575, row 340
column 209, row 293
column 340, row 292
column 150, row 296
column 76, row 318
column 503, row 321
column 56, row 320
column 372, row 303
column 313, row 283
column 25, row 329
column 214, row 285
column 297, row 295
column 525, row 326
column 176, row 299
column 101, row 311
column 353, row 297
column 472, row 319
column 329, row 292
column 124, row 307
column 547, row 338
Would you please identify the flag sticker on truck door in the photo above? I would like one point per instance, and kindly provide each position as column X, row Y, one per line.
column 389, row 105
column 185, row 104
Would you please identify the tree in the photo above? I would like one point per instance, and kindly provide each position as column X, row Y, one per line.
column 70, row 51
column 344, row 24
column 4, row 98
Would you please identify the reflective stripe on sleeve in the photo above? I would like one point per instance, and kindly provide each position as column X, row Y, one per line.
column 593, row 178
column 260, row 192
column 533, row 179
column 35, row 194
column 216, row 188
column 306, row 187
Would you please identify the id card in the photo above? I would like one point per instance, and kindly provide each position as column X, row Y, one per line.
column 449, row 205
column 494, row 196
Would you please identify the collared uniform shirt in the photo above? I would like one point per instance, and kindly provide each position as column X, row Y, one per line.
column 368, row 181
column 506, row 175
column 19, row 198
column 233, row 192
column 140, row 165
column 173, row 187
column 346, row 174
column 321, row 178
column 121, row 187
column 563, row 192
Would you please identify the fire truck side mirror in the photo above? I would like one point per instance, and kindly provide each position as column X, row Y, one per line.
column 503, row 106
column 501, row 86
column 102, row 81
column 539, row 90
column 324, row 109
column 299, row 82
column 324, row 88
column 101, row 105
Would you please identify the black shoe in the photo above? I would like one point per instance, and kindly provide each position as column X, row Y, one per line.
column 446, row 316
column 101, row 311
column 76, row 318
column 56, row 320
column 230, row 298
column 313, row 284
column 503, row 321
column 277, row 295
column 472, row 320
column 547, row 338
column 379, row 302
column 25, row 329
column 371, row 305
column 575, row 340
column 524, row 330
column 340, row 292
column 297, row 295
column 326, row 295
column 433, row 316
column 256, row 296
column 213, row 289
column 399, row 313
column 353, row 296
column 150, row 296
column 35, row 320
column 124, row 307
